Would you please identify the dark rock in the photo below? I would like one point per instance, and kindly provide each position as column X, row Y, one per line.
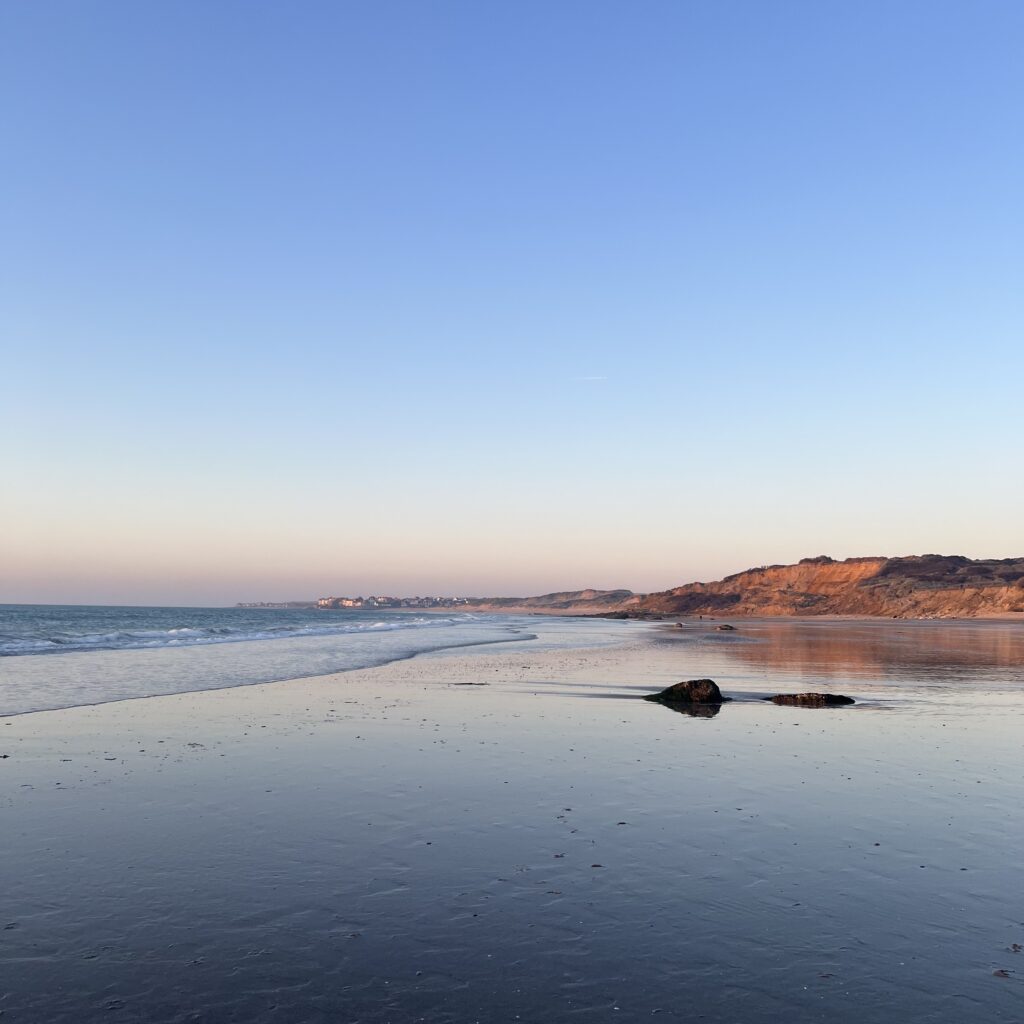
column 811, row 700
column 692, row 691
column 726, row 628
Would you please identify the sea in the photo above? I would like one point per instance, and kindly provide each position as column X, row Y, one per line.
column 59, row 656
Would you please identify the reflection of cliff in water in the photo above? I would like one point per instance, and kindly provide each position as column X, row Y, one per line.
column 928, row 651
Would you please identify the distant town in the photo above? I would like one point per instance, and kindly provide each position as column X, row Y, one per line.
column 390, row 602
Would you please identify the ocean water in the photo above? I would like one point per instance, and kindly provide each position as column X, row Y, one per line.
column 65, row 629
column 64, row 656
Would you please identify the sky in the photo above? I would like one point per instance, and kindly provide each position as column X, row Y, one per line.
column 316, row 298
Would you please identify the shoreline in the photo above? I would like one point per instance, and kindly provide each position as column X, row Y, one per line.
column 261, row 682
column 491, row 834
column 451, row 658
column 33, row 682
column 633, row 647
column 1010, row 616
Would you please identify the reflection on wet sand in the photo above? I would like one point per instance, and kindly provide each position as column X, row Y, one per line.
column 900, row 650
column 692, row 710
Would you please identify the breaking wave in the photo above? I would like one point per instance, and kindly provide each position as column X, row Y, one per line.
column 66, row 642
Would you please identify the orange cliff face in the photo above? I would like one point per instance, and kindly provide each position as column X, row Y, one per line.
column 919, row 586
column 810, row 587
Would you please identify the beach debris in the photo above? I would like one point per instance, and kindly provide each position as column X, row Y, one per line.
column 690, row 691
column 811, row 700
column 726, row 628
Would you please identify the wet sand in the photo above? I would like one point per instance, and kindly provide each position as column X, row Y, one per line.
column 512, row 834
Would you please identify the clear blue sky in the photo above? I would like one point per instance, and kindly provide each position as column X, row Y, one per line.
column 304, row 298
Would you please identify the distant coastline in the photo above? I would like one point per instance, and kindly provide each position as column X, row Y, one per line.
column 914, row 586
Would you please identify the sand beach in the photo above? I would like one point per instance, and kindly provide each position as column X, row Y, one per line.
column 510, row 833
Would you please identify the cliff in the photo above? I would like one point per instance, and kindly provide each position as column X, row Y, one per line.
column 568, row 602
column 917, row 586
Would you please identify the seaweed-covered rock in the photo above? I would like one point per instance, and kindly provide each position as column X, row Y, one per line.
column 692, row 691
column 811, row 700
